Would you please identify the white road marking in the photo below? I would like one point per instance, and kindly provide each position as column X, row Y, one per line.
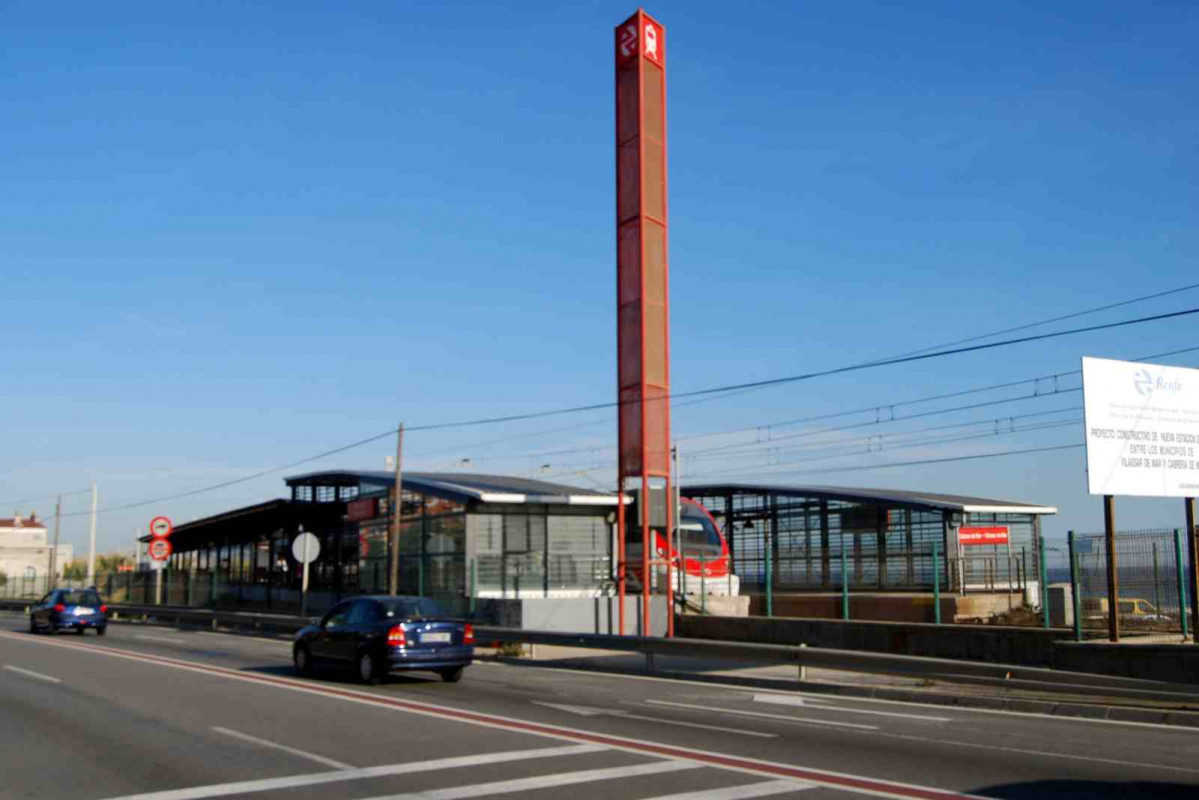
column 785, row 700
column 247, row 639
column 293, row 781
column 964, row 710
column 31, row 674
column 544, row 781
column 737, row 792
column 760, row 715
column 166, row 639
column 328, row 762
column 588, row 711
column 741, row 764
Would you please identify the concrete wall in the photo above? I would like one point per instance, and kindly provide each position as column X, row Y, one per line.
column 1031, row 647
column 891, row 607
column 1028, row 646
column 573, row 615
column 1178, row 663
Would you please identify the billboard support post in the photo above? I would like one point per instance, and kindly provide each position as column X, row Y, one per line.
column 1180, row 570
column 1075, row 585
column 1044, row 582
column 1113, row 588
column 1193, row 560
column 936, row 582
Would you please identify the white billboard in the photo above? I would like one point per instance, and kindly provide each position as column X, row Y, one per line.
column 1142, row 425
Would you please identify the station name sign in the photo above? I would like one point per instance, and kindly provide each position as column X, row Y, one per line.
column 995, row 534
column 1142, row 428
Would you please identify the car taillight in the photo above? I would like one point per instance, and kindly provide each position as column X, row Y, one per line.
column 396, row 637
column 59, row 607
column 103, row 609
column 468, row 634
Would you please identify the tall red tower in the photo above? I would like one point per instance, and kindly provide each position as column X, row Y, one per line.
column 642, row 296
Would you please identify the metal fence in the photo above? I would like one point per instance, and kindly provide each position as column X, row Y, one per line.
column 1151, row 576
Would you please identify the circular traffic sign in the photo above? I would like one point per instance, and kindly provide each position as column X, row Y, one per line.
column 160, row 527
column 305, row 548
column 160, row 549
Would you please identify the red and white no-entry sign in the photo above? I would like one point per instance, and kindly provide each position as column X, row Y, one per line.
column 160, row 527
column 160, row 549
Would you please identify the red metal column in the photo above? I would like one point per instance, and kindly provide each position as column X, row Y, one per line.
column 643, row 342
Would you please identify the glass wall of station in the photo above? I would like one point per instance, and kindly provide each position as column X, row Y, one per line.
column 817, row 544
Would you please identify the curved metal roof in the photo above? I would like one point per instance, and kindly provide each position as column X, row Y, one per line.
column 471, row 486
column 895, row 497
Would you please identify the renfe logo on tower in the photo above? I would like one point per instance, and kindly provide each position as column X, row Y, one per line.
column 628, row 37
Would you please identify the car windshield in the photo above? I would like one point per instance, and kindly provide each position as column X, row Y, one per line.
column 412, row 607
column 80, row 598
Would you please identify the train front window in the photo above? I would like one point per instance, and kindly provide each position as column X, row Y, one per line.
column 698, row 532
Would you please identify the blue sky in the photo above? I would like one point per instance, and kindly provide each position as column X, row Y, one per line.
column 234, row 235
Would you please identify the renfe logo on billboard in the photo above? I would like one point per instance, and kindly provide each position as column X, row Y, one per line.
column 996, row 534
column 1142, row 428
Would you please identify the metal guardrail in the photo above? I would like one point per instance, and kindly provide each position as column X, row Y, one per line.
column 1032, row 678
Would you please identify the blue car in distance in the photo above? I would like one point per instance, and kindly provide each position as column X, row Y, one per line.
column 69, row 609
column 378, row 634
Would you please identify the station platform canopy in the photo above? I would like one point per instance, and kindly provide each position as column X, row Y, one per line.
column 814, row 537
column 344, row 484
column 897, row 498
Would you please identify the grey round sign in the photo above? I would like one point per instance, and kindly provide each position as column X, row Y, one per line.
column 305, row 548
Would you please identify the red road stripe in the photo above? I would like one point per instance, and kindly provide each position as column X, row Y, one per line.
column 834, row 780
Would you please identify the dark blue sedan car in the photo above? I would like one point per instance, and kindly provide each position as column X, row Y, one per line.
column 69, row 609
column 379, row 634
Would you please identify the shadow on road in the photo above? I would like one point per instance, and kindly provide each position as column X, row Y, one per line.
column 1090, row 789
column 343, row 677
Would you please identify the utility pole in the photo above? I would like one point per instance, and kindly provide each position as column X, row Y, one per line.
column 52, row 578
column 91, row 542
column 393, row 575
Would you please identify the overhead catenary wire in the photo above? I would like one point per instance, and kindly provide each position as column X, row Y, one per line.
column 665, row 398
column 805, row 376
column 841, row 449
column 927, row 461
column 877, row 409
column 933, row 441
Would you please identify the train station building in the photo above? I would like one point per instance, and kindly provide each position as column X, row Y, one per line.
column 499, row 538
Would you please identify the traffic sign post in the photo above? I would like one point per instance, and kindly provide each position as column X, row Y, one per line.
column 305, row 548
column 160, row 551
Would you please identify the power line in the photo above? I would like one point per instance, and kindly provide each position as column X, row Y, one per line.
column 695, row 393
column 1062, row 318
column 235, row 481
column 922, row 462
column 757, row 469
column 49, row 496
column 920, row 400
column 878, row 409
column 882, row 437
column 809, row 375
column 839, row 449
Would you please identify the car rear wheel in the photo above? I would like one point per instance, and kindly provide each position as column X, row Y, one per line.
column 368, row 671
column 101, row 630
column 33, row 628
column 452, row 675
column 302, row 659
column 80, row 630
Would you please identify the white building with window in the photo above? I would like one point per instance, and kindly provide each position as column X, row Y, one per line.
column 25, row 551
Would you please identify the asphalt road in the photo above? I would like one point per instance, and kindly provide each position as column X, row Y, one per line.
column 153, row 712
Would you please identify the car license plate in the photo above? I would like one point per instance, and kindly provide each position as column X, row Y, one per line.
column 83, row 610
column 433, row 638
